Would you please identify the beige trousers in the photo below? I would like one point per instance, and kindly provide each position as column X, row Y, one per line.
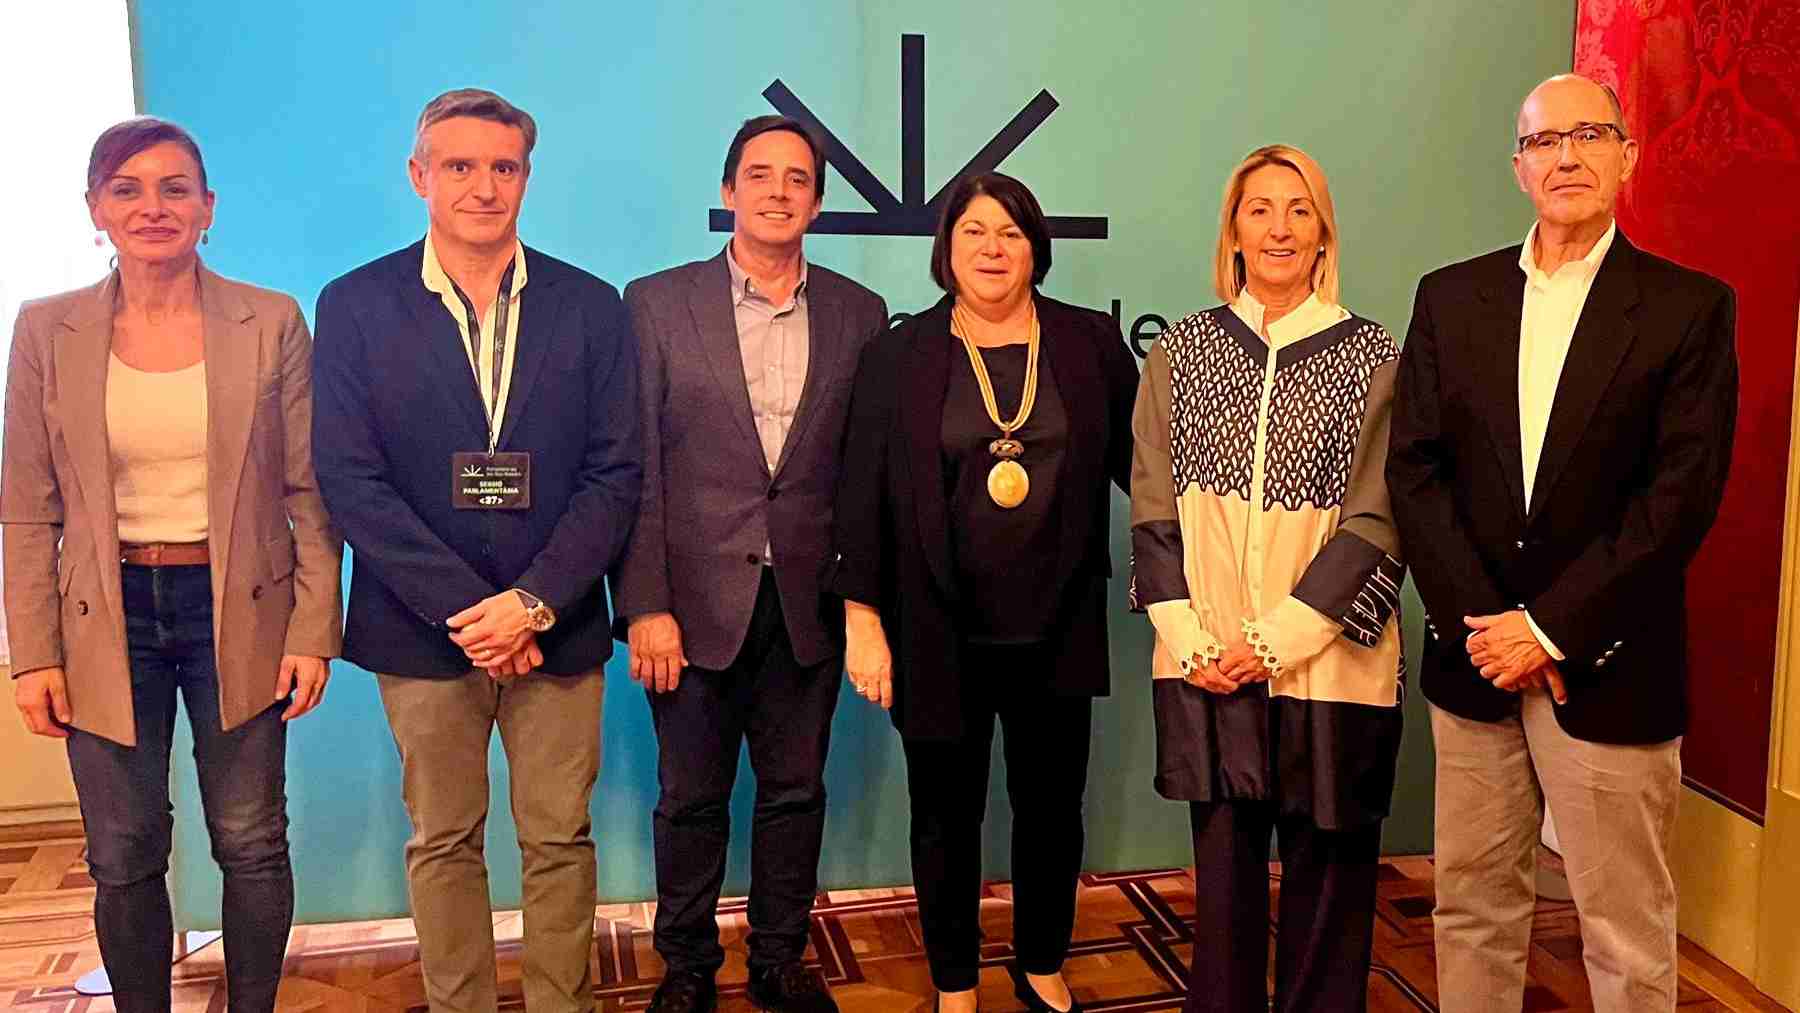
column 550, row 728
column 1614, row 808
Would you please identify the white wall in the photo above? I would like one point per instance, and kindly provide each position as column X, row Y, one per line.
column 65, row 68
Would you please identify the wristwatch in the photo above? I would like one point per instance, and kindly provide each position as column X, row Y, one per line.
column 537, row 614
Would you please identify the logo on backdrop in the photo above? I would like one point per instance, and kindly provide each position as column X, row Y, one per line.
column 911, row 214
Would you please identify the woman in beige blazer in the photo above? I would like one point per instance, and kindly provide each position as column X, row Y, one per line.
column 163, row 533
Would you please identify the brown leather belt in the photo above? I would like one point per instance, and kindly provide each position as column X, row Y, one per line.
column 165, row 554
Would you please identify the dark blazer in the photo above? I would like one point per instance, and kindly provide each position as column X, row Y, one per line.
column 275, row 556
column 710, row 503
column 892, row 531
column 395, row 398
column 1632, row 471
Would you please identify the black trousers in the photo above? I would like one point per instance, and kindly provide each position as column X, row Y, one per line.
column 1327, row 913
column 1046, row 743
column 784, row 711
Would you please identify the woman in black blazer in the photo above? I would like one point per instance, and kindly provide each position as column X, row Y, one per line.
column 972, row 534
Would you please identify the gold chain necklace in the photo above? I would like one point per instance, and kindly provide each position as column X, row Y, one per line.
column 1007, row 482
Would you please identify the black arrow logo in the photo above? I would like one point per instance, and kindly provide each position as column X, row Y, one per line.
column 911, row 214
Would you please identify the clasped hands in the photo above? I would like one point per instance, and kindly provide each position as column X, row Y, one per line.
column 1508, row 654
column 1239, row 666
column 496, row 636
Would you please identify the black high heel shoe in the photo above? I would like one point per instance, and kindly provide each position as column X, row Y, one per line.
column 1029, row 996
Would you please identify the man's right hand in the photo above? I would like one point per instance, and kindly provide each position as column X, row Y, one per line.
column 656, row 659
column 43, row 701
column 1547, row 677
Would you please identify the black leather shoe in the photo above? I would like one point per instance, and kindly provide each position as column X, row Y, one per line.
column 685, row 992
column 790, row 988
column 1029, row 996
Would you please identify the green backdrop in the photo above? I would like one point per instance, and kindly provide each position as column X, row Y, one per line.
column 305, row 112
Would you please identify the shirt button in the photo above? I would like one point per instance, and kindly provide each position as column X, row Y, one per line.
column 774, row 492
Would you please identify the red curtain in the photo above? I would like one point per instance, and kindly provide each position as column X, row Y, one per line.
column 1711, row 90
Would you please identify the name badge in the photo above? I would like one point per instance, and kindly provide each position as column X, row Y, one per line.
column 481, row 481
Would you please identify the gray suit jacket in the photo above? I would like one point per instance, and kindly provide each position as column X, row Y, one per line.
column 709, row 502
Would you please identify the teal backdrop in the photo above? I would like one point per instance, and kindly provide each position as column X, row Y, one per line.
column 305, row 112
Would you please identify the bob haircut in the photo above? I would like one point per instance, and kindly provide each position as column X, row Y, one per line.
column 479, row 104
column 1228, row 265
column 755, row 127
column 1016, row 200
column 118, row 143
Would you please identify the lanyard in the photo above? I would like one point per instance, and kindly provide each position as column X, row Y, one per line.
column 502, row 309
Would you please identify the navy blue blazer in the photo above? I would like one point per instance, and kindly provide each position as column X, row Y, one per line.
column 394, row 398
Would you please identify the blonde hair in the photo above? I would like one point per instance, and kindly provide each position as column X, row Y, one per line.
column 1228, row 264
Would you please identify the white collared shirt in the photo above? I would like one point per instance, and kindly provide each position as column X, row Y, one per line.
column 1553, row 304
column 1552, row 308
column 432, row 273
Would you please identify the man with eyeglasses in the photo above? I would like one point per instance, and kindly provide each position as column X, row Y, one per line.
column 1561, row 435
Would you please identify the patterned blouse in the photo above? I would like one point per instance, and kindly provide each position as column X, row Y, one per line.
column 1260, row 514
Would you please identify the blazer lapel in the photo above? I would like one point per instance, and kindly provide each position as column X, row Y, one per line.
column 232, row 367
column 716, row 324
column 824, row 343
column 444, row 350
column 538, row 307
column 922, row 393
column 1080, row 383
column 82, row 353
column 1602, row 337
column 1504, row 299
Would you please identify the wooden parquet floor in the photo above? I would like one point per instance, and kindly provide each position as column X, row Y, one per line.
column 1132, row 942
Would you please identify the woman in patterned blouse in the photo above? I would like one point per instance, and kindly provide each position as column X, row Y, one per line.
column 1266, row 557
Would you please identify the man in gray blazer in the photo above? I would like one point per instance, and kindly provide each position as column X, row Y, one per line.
column 747, row 363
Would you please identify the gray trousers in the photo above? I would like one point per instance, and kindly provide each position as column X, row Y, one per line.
column 1614, row 808
column 550, row 727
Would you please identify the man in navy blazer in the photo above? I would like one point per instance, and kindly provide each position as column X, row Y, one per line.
column 1561, row 436
column 476, row 438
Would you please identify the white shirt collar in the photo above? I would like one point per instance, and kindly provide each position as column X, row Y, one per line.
column 432, row 273
column 1586, row 266
column 1303, row 321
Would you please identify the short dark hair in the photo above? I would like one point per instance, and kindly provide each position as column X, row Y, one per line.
column 118, row 143
column 478, row 104
column 1016, row 199
column 755, row 127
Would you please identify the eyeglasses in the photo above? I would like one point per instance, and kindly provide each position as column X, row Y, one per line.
column 1589, row 138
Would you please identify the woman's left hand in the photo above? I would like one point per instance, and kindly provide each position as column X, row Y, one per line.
column 304, row 676
column 1243, row 665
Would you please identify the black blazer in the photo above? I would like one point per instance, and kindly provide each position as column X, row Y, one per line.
column 892, row 534
column 1630, row 479
column 394, row 398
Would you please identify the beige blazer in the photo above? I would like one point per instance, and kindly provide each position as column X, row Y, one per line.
column 275, row 555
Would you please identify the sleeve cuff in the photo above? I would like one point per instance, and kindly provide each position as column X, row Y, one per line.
column 1291, row 633
column 1182, row 634
column 1543, row 639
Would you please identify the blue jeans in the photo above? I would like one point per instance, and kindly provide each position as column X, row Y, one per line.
column 124, row 793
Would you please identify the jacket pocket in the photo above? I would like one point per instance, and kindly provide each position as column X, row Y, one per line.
column 280, row 551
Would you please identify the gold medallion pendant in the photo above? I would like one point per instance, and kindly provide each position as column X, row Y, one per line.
column 1008, row 485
